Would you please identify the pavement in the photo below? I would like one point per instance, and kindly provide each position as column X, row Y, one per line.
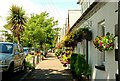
column 49, row 69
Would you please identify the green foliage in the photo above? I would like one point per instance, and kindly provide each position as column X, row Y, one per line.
column 29, row 57
column 56, row 35
column 81, row 66
column 16, row 21
column 35, row 31
column 78, row 35
column 9, row 37
column 68, row 41
column 87, row 34
column 72, row 61
column 58, row 52
column 65, row 58
column 104, row 43
column 29, row 65
column 39, row 30
column 83, row 33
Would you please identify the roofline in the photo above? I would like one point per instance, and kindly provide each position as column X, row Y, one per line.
column 74, row 10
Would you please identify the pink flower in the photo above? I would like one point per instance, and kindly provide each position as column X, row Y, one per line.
column 107, row 45
column 100, row 44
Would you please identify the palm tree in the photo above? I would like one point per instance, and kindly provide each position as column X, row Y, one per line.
column 16, row 21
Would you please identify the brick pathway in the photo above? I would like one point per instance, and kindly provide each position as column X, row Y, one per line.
column 49, row 69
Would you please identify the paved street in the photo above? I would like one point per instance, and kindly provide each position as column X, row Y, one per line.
column 16, row 76
column 49, row 69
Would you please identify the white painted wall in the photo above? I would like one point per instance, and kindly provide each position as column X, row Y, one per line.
column 107, row 13
column 78, row 47
column 85, row 4
column 73, row 16
column 62, row 32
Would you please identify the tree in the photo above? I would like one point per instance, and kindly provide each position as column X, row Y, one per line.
column 16, row 21
column 56, row 36
column 39, row 29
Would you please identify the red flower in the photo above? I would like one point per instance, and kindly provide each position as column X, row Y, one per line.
column 100, row 44
column 96, row 41
column 111, row 44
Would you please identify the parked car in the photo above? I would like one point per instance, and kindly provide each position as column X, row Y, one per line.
column 12, row 57
column 32, row 51
column 26, row 50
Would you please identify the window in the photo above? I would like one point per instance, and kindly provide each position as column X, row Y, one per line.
column 78, row 47
column 101, row 32
column 20, row 48
column 6, row 48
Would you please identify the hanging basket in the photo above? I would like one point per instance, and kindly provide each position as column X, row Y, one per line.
column 83, row 33
column 104, row 43
column 87, row 34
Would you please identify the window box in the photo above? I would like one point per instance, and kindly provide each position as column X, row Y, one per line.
column 100, row 67
column 116, row 54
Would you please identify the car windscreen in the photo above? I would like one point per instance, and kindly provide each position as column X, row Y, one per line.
column 25, row 49
column 6, row 48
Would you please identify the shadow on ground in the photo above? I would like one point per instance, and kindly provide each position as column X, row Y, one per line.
column 16, row 76
column 49, row 75
column 49, row 56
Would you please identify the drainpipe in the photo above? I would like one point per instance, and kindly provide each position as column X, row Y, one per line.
column 119, row 40
column 87, row 51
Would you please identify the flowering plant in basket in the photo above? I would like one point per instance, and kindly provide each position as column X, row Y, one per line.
column 104, row 43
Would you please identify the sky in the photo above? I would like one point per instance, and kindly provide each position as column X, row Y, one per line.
column 56, row 8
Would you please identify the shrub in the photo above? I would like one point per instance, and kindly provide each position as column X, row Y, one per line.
column 72, row 61
column 29, row 57
column 81, row 66
column 57, row 52
column 29, row 65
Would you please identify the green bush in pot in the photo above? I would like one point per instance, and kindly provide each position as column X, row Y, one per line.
column 73, row 60
column 81, row 66
column 72, row 64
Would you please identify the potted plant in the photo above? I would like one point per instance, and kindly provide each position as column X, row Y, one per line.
column 57, row 53
column 83, row 33
column 72, row 64
column 104, row 43
column 87, row 34
column 78, row 36
column 82, row 69
column 69, row 41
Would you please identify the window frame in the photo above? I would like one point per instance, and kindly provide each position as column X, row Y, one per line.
column 101, row 32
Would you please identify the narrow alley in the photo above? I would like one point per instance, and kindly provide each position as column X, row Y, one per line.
column 50, row 69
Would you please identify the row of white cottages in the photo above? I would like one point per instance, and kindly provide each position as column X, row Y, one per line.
column 100, row 17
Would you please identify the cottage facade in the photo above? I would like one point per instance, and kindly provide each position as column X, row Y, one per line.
column 100, row 17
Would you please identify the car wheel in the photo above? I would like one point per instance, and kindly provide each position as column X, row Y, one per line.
column 11, row 69
column 23, row 68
